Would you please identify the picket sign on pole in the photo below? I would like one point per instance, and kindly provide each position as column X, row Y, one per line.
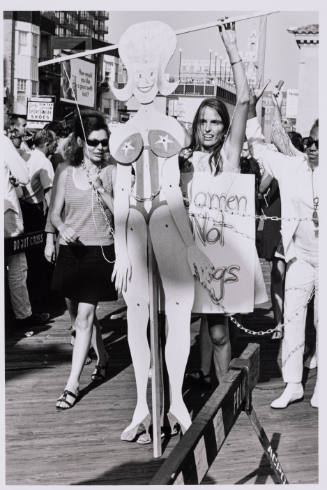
column 178, row 32
column 155, row 353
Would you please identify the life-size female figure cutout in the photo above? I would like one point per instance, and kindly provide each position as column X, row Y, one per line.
column 150, row 143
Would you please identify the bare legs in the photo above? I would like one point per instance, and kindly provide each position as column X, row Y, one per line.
column 83, row 325
column 206, row 347
column 96, row 338
column 214, row 343
column 219, row 333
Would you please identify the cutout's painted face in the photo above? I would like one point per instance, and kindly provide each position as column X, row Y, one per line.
column 210, row 128
column 145, row 82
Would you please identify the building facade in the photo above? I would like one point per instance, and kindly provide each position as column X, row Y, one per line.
column 307, row 40
column 21, row 35
column 80, row 23
column 32, row 36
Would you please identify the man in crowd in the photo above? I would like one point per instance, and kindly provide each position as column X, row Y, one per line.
column 36, row 195
column 35, row 201
column 15, row 172
column 298, row 178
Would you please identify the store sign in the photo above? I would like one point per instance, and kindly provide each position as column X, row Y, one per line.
column 78, row 82
column 39, row 111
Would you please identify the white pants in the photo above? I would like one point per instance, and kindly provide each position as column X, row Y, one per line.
column 17, row 269
column 301, row 278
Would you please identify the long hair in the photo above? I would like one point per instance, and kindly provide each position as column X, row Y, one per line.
column 90, row 121
column 196, row 144
column 296, row 140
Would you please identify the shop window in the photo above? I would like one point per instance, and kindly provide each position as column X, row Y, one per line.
column 35, row 49
column 34, row 87
column 21, row 86
column 22, row 42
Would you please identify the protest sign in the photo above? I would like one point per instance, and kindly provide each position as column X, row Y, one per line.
column 227, row 239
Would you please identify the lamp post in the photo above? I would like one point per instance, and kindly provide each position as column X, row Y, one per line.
column 210, row 53
column 216, row 54
column 220, row 67
column 180, row 63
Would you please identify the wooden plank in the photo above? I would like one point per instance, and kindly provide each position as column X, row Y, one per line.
column 249, row 360
column 194, row 454
column 82, row 446
column 155, row 355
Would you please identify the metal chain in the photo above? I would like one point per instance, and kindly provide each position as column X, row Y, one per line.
column 261, row 217
column 272, row 330
column 106, row 214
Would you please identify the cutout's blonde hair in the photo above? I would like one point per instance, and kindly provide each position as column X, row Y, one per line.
column 150, row 42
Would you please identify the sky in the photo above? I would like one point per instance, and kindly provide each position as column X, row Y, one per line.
column 282, row 53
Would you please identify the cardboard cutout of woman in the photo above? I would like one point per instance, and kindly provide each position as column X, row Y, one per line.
column 150, row 143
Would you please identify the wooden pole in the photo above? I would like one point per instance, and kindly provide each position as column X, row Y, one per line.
column 155, row 351
column 185, row 30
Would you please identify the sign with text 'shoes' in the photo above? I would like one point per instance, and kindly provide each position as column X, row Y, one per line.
column 39, row 111
column 216, row 207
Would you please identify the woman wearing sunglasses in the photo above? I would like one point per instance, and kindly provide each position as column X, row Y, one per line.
column 298, row 178
column 82, row 214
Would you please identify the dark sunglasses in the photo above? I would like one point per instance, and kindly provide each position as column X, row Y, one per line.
column 308, row 142
column 96, row 142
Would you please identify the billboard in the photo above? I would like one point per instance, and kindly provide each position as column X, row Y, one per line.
column 77, row 82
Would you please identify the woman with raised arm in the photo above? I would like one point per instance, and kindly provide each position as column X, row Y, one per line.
column 215, row 148
column 153, row 209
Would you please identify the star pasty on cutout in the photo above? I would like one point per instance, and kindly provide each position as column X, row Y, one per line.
column 164, row 140
column 127, row 147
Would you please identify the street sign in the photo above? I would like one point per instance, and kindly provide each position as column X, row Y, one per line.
column 39, row 111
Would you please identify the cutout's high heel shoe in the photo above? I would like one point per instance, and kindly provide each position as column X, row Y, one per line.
column 175, row 425
column 139, row 432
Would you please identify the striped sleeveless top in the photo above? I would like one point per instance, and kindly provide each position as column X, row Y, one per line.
column 83, row 213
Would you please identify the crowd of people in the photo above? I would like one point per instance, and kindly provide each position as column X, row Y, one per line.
column 65, row 181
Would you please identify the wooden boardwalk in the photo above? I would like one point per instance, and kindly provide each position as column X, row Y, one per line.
column 82, row 446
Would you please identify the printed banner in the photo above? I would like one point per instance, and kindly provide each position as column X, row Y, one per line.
column 227, row 239
column 82, row 82
column 18, row 244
